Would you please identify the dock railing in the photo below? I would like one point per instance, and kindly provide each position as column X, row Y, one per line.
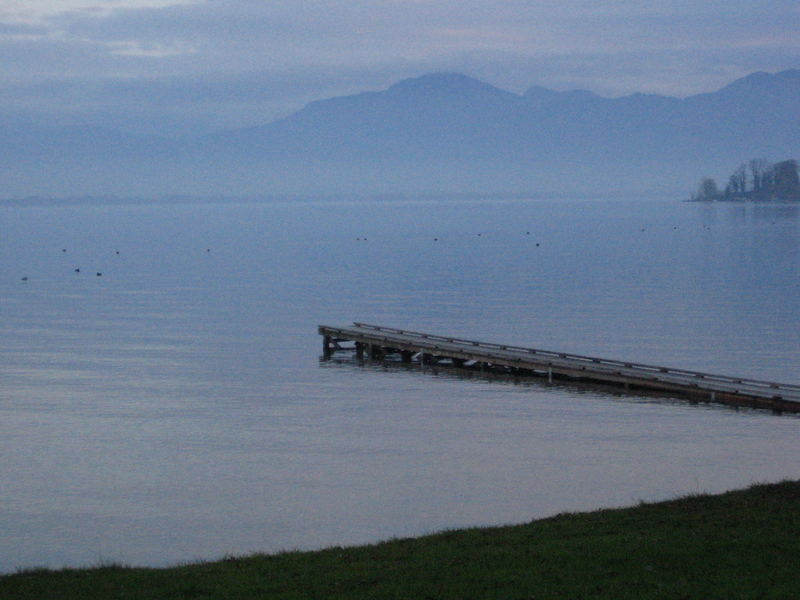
column 574, row 365
column 588, row 359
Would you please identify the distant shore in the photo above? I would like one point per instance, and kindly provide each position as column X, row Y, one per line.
column 755, row 181
column 741, row 544
column 744, row 200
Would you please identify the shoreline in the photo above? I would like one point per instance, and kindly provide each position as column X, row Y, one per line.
column 740, row 543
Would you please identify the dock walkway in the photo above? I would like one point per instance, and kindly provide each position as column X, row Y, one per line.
column 377, row 342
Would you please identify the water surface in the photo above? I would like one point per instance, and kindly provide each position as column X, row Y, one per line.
column 175, row 407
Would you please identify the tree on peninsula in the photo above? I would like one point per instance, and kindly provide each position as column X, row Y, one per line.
column 779, row 181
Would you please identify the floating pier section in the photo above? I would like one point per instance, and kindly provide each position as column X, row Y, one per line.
column 377, row 343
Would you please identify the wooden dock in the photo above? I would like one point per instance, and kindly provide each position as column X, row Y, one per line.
column 377, row 343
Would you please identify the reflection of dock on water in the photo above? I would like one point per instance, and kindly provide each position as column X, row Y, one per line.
column 378, row 343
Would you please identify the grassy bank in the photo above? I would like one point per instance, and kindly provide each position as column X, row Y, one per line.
column 742, row 544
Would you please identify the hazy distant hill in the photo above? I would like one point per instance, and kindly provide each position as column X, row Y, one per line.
column 439, row 133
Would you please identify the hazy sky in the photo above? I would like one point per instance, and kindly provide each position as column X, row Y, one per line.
column 214, row 63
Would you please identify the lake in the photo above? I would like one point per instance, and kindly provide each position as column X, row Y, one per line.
column 175, row 407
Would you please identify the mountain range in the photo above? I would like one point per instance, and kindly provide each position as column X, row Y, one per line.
column 438, row 133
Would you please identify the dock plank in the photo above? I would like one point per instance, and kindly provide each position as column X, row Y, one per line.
column 707, row 386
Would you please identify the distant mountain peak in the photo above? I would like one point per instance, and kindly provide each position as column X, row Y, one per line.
column 536, row 92
column 793, row 74
column 761, row 80
column 437, row 79
column 445, row 82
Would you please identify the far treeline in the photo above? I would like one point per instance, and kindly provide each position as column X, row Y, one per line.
column 756, row 179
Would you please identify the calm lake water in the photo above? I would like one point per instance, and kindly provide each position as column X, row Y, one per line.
column 175, row 408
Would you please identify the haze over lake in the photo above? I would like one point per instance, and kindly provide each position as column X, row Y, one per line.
column 175, row 407
column 441, row 132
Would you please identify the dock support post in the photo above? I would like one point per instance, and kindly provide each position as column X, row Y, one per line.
column 379, row 342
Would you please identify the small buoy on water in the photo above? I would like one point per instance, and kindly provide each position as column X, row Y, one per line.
column 77, row 270
column 99, row 274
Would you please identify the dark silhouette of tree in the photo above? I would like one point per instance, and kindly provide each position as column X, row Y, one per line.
column 786, row 183
column 758, row 166
column 707, row 190
column 738, row 180
column 780, row 181
column 768, row 179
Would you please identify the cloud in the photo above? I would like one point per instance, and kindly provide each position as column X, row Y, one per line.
column 33, row 11
column 16, row 30
column 336, row 32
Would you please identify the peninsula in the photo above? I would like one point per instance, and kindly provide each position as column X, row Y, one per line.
column 756, row 180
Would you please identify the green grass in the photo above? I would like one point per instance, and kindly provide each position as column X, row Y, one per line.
column 742, row 544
